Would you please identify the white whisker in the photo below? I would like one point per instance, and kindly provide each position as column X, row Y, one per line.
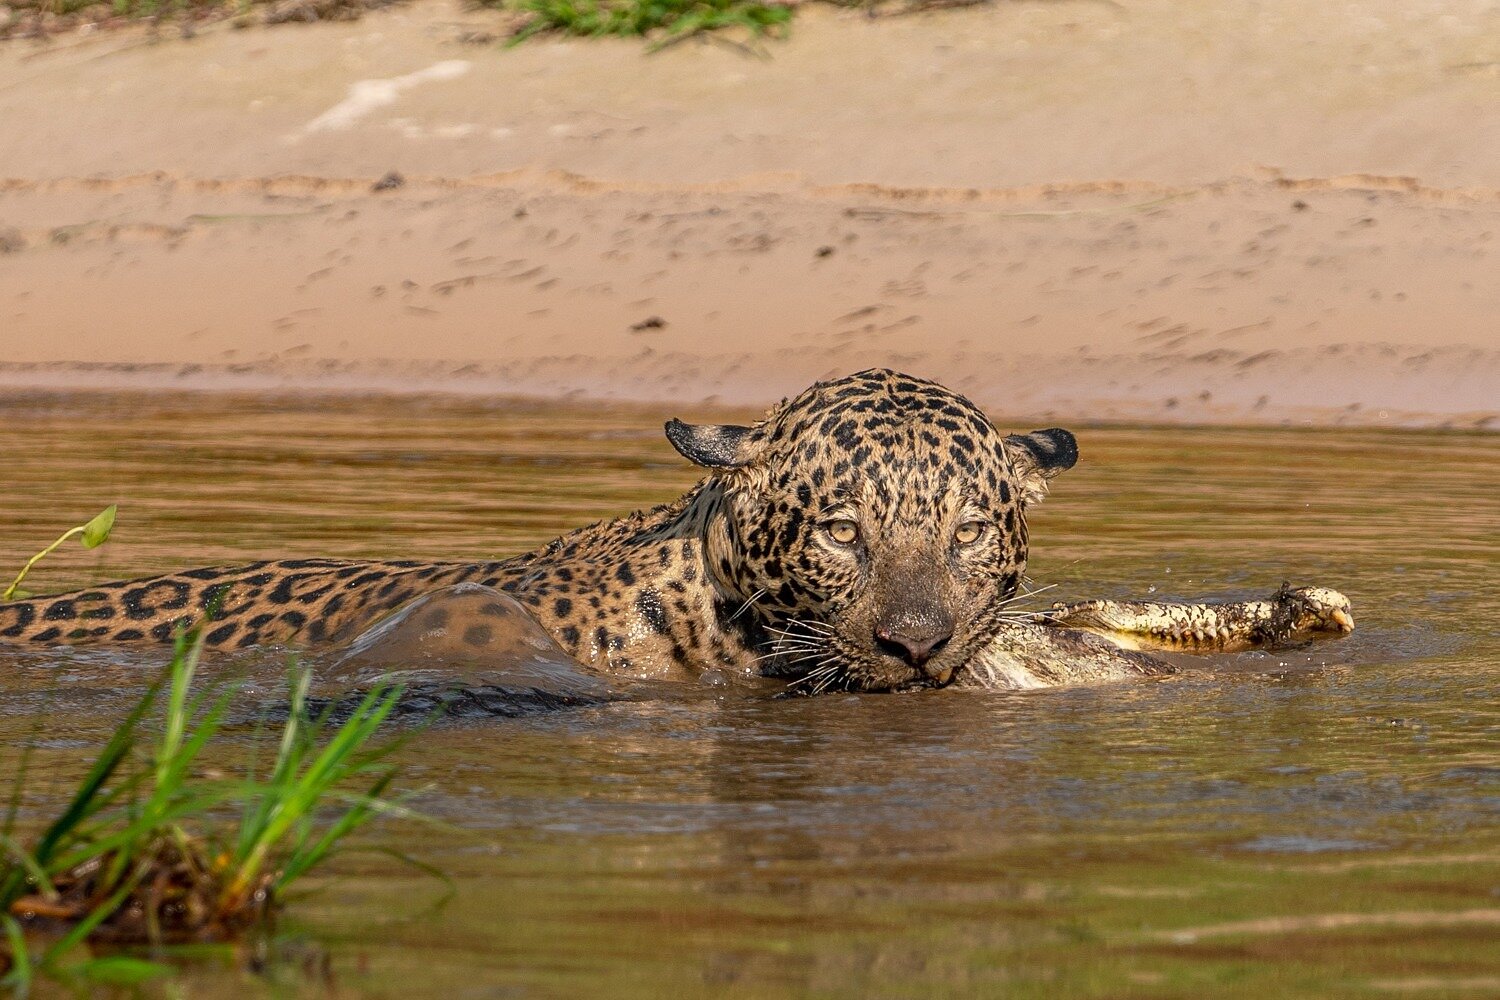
column 746, row 606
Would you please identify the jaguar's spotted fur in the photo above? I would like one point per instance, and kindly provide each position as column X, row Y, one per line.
column 868, row 534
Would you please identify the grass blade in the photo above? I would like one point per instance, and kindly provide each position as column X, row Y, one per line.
column 19, row 976
column 23, row 858
column 299, row 793
column 87, row 800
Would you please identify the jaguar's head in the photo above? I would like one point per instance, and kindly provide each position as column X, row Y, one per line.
column 874, row 527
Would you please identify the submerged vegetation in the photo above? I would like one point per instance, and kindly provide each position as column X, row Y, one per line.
column 157, row 847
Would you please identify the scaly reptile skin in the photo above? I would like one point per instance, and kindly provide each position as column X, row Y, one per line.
column 1293, row 613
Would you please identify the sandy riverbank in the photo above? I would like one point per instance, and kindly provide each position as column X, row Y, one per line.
column 1078, row 210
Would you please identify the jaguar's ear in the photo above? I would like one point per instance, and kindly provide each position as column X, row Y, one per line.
column 716, row 446
column 1037, row 457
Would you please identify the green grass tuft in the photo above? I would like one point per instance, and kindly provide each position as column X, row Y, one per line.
column 665, row 21
column 142, row 852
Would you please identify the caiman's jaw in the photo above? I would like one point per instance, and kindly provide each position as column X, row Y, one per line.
column 1323, row 610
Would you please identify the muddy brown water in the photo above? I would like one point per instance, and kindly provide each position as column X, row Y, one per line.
column 1321, row 821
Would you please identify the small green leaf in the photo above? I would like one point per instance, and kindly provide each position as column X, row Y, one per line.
column 117, row 970
column 19, row 977
column 96, row 532
column 18, row 595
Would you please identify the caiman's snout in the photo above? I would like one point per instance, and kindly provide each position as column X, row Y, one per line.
column 1322, row 609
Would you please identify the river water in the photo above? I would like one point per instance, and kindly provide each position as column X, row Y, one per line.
column 1319, row 822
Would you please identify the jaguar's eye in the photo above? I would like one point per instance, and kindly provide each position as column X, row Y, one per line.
column 969, row 532
column 843, row 531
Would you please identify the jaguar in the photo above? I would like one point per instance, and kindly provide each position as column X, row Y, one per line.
column 869, row 534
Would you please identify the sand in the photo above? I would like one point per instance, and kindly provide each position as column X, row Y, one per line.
column 1148, row 211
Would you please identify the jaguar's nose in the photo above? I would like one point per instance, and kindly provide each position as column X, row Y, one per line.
column 914, row 649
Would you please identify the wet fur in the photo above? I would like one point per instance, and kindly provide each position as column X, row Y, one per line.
column 740, row 573
column 722, row 577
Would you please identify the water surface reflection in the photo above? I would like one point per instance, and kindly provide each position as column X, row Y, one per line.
column 1323, row 821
